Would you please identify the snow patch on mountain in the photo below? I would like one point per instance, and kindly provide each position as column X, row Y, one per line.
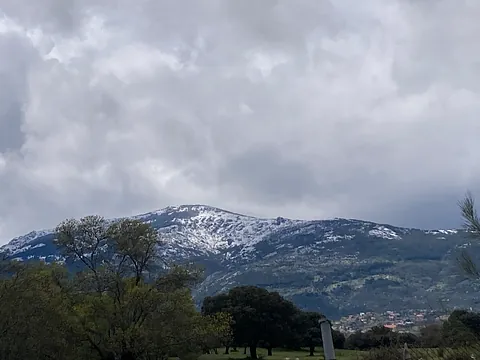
column 445, row 232
column 210, row 229
column 22, row 243
column 384, row 232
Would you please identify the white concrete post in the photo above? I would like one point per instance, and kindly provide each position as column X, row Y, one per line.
column 327, row 339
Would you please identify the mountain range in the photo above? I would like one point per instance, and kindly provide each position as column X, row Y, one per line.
column 337, row 266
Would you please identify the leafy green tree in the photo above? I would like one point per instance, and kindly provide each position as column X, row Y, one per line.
column 257, row 316
column 462, row 328
column 311, row 334
column 34, row 305
column 338, row 339
column 135, row 246
column 120, row 310
column 215, row 305
column 306, row 332
column 295, row 340
column 278, row 322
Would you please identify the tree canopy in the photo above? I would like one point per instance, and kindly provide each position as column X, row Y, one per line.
column 260, row 317
column 115, row 307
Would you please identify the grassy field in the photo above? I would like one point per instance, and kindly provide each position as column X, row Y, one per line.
column 280, row 354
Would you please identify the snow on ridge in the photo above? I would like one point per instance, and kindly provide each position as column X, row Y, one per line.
column 384, row 232
column 23, row 248
column 215, row 229
column 20, row 243
column 331, row 237
column 169, row 210
column 444, row 232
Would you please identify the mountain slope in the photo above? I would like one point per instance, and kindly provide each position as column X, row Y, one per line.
column 338, row 266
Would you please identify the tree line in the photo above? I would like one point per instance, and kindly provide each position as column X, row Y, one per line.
column 260, row 318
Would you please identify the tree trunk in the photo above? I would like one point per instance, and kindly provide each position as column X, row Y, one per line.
column 312, row 350
column 253, row 351
column 234, row 348
column 245, row 350
column 269, row 349
column 215, row 351
column 227, row 350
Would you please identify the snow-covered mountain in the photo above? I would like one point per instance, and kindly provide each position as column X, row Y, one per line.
column 338, row 266
column 199, row 228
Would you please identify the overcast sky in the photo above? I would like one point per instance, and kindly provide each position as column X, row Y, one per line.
column 305, row 109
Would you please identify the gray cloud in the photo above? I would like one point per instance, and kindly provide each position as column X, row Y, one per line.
column 303, row 109
column 268, row 176
column 13, row 97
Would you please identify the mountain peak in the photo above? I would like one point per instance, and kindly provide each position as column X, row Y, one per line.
column 190, row 210
column 210, row 229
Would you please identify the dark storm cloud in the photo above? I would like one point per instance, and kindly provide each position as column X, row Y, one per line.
column 276, row 108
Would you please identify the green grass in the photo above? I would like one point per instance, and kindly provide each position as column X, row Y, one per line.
column 280, row 354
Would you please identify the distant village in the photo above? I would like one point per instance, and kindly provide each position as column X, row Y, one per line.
column 401, row 321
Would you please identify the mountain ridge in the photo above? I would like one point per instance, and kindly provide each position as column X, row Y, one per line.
column 333, row 265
